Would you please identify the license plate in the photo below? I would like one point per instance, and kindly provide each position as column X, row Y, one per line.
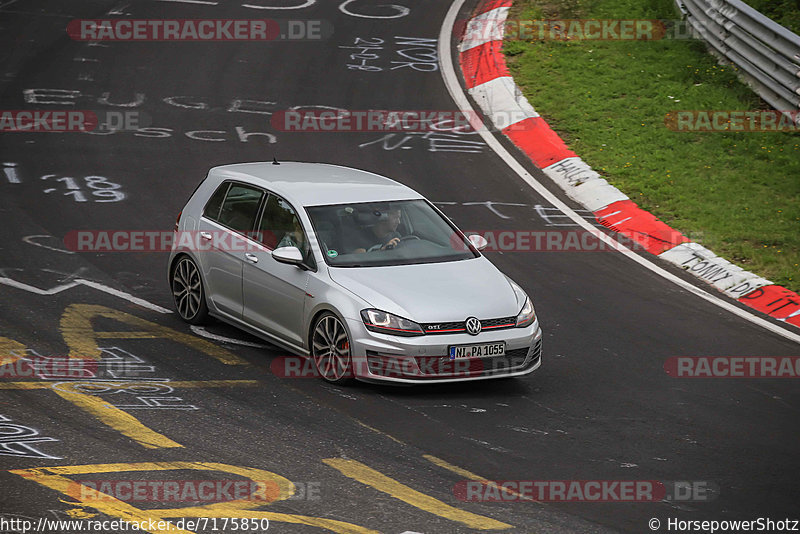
column 484, row 350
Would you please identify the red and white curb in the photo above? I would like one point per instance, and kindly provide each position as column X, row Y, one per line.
column 489, row 83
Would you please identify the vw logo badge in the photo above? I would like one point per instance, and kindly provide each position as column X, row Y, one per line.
column 473, row 326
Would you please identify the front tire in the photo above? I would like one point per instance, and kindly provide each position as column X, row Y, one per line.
column 188, row 292
column 330, row 348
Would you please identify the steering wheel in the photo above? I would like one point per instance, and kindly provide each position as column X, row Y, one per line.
column 403, row 240
column 400, row 243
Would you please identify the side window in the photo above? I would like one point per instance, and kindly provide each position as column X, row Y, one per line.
column 211, row 210
column 240, row 208
column 280, row 227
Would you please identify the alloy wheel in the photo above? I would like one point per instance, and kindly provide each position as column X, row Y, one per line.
column 330, row 348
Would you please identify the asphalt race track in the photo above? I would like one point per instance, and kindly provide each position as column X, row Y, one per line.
column 373, row 458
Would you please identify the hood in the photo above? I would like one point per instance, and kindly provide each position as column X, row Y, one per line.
column 433, row 292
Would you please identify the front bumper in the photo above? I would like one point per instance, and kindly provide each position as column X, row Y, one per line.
column 425, row 359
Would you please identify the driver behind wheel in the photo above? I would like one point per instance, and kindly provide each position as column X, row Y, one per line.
column 383, row 235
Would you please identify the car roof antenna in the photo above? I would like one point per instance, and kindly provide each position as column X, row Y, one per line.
column 275, row 161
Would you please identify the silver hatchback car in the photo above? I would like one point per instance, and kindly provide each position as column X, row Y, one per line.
column 359, row 275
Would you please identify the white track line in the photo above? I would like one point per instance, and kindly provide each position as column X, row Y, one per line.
column 31, row 240
column 35, row 290
column 458, row 95
column 88, row 283
column 201, row 2
column 200, row 331
column 125, row 296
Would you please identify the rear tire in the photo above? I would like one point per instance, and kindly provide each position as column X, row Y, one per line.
column 188, row 292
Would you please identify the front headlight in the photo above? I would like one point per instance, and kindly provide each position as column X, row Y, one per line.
column 527, row 315
column 387, row 323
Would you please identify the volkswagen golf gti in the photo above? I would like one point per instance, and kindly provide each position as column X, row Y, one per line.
column 355, row 274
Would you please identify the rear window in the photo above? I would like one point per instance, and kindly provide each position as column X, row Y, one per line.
column 214, row 204
column 240, row 207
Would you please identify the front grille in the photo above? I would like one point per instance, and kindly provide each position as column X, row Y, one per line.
column 536, row 351
column 459, row 326
column 503, row 322
column 518, row 354
column 444, row 328
column 392, row 366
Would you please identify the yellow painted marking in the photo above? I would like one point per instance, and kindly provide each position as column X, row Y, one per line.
column 472, row 476
column 79, row 513
column 109, row 506
column 81, row 337
column 25, row 385
column 126, row 335
column 119, row 420
column 284, row 486
column 382, row 433
column 329, row 524
column 7, row 346
column 53, row 477
column 455, row 469
column 366, row 475
column 177, row 384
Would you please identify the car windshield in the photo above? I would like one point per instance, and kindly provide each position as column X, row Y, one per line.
column 386, row 233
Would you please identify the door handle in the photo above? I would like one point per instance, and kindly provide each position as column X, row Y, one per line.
column 205, row 235
column 251, row 257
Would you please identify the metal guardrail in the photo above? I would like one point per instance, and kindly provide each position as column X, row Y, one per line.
column 766, row 53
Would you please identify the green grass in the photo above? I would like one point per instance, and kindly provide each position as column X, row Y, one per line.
column 784, row 12
column 737, row 193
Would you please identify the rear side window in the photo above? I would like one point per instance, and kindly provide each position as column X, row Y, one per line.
column 240, row 207
column 211, row 210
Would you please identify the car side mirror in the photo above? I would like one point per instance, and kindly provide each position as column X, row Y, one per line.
column 478, row 241
column 289, row 255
